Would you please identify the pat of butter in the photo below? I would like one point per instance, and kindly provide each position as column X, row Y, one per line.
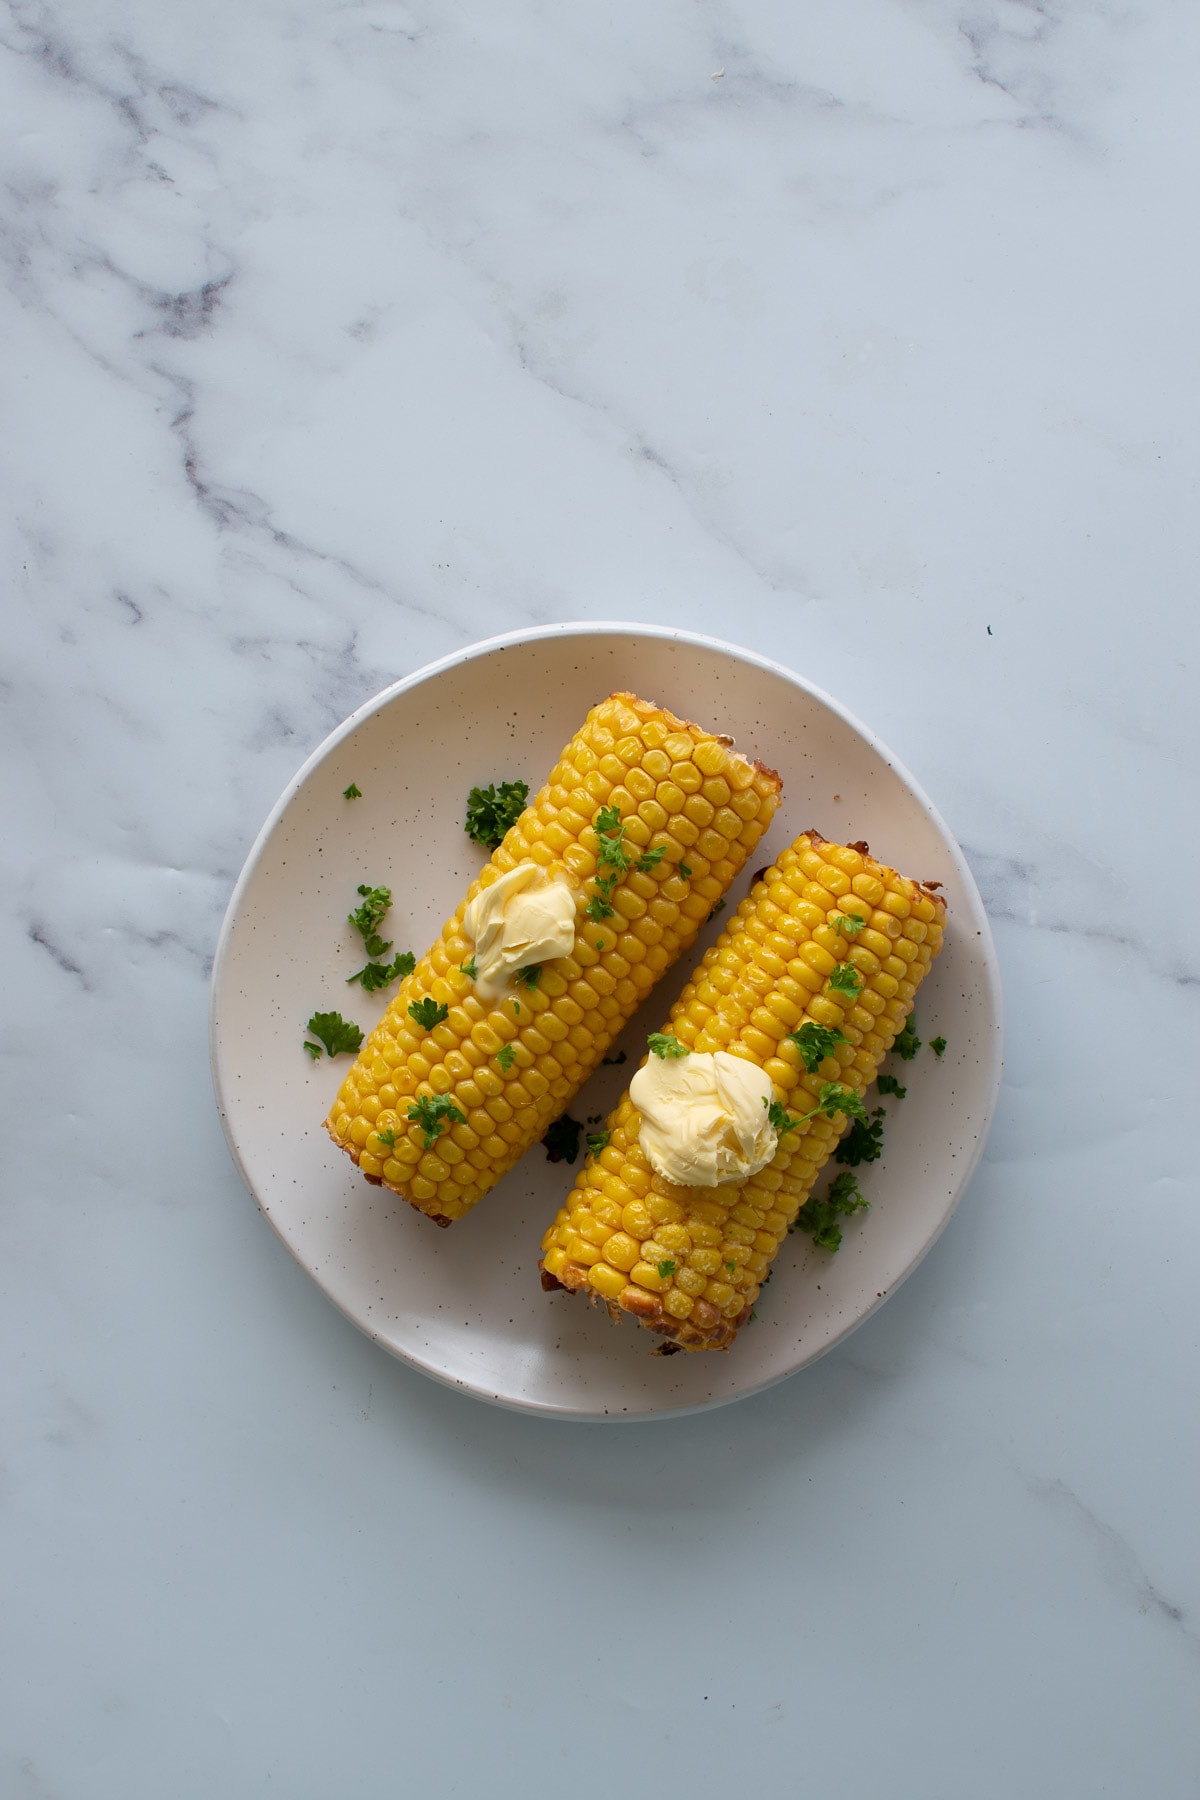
column 524, row 917
column 704, row 1118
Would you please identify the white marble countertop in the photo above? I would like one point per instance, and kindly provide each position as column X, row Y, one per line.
column 339, row 336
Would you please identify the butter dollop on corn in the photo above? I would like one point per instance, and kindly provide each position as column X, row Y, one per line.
column 704, row 1117
column 522, row 918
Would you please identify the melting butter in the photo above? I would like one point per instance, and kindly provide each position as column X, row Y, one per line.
column 524, row 917
column 704, row 1119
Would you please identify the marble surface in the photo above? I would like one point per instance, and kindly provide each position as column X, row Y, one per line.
column 339, row 336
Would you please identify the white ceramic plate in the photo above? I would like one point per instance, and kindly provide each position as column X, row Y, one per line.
column 465, row 1304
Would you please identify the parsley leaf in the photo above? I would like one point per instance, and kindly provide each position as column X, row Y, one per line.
column 849, row 924
column 780, row 1118
column 611, row 847
column 819, row 1217
column 427, row 1013
column 335, row 1033
column 493, row 811
column 863, row 1143
column 314, row 1050
column 598, row 1141
column 834, row 1098
column 353, row 792
column 504, row 1056
column 468, row 968
column 381, row 975
column 685, row 871
column 650, row 859
column 666, row 1267
column 845, row 980
column 887, row 1084
column 938, row 1046
column 530, row 975
column 908, row 1043
column 387, row 1138
column 719, row 907
column 367, row 918
column 562, row 1139
column 662, row 1043
column 434, row 1113
column 732, row 1267
column 815, row 1042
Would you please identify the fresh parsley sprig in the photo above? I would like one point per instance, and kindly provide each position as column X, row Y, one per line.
column 435, row 1113
column 938, row 1046
column 530, row 975
column 664, row 1044
column 380, row 975
column 815, row 1042
column 493, row 811
column 845, row 980
column 819, row 1216
column 353, row 792
column 887, row 1084
column 908, row 1043
column 367, row 918
column 506, row 1056
column 427, row 1013
column 597, row 1141
column 779, row 1117
column 863, row 1143
column 337, row 1034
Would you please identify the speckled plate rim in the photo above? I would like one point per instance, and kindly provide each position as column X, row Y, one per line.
column 992, row 1053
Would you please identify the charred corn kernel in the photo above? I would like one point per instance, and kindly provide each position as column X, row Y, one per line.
column 628, row 754
column 688, row 1262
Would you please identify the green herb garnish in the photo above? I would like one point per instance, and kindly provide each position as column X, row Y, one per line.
column 562, row 1139
column 780, row 1118
column 732, row 1267
column 650, row 859
column 434, row 1113
column 493, row 811
column 387, row 1138
column 908, row 1043
column 597, row 1141
column 819, row 1217
column 849, row 924
column 863, row 1143
column 468, row 968
column 353, row 792
column 815, row 1042
column 938, row 1046
column 834, row 1098
column 666, row 1267
column 719, row 907
column 530, row 975
column 613, row 1062
column 367, row 918
column 887, row 1084
column 381, row 975
column 662, row 1043
column 845, row 980
column 337, row 1034
column 427, row 1013
column 685, row 871
column 314, row 1050
column 504, row 1056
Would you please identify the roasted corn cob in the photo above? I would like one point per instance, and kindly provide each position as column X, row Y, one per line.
column 688, row 1261
column 439, row 1113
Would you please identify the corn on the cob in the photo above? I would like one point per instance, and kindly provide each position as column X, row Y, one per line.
column 688, row 1262
column 501, row 1070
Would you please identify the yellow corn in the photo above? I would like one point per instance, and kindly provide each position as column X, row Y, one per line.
column 688, row 1261
column 510, row 1066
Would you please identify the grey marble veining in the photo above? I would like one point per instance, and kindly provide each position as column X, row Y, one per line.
column 337, row 337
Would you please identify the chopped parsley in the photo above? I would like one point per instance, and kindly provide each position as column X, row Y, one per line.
column 314, row 1050
column 732, row 1267
column 780, row 1118
column 863, row 1143
column 613, row 852
column 834, row 1098
column 845, row 980
column 598, row 1141
column 504, row 1056
column 530, row 975
column 666, row 1267
column 367, row 918
column 337, row 1034
column 381, row 975
column 468, row 968
column 719, row 907
column 849, row 924
column 887, row 1084
column 908, row 1043
column 434, row 1113
column 353, row 792
column 562, row 1139
column 685, row 871
column 613, row 1062
column 815, row 1042
column 598, row 907
column 427, row 1013
column 662, row 1043
column 650, row 859
column 819, row 1217
column 938, row 1046
column 493, row 811
column 387, row 1138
